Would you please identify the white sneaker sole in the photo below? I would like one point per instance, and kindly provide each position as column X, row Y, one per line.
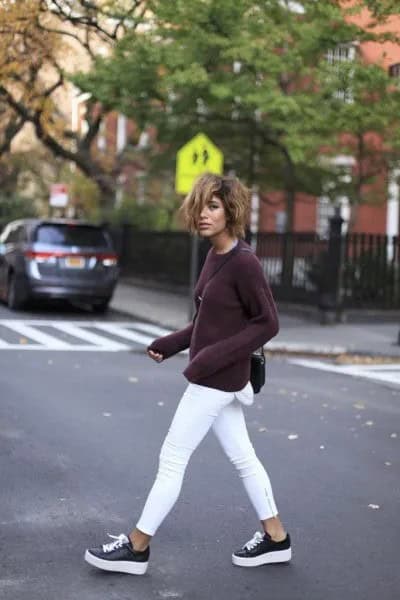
column 280, row 556
column 132, row 568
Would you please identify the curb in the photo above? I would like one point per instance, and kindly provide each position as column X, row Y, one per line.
column 305, row 349
column 345, row 357
column 338, row 353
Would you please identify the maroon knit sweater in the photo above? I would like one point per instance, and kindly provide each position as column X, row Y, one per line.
column 236, row 314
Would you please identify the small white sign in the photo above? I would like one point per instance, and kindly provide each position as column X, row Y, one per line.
column 59, row 195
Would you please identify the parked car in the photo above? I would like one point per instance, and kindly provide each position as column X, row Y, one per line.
column 57, row 258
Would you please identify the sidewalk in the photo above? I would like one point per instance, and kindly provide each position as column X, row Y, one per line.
column 297, row 335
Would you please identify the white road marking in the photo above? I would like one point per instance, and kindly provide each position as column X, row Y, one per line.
column 388, row 373
column 153, row 329
column 31, row 330
column 114, row 329
column 23, row 328
column 92, row 338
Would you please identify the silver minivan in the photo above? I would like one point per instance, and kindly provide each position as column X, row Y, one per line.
column 57, row 258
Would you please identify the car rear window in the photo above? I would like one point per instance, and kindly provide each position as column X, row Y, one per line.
column 71, row 235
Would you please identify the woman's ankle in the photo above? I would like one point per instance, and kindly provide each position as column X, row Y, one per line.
column 140, row 541
column 274, row 528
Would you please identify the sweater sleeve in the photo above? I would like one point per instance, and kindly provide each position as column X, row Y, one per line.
column 173, row 343
column 256, row 297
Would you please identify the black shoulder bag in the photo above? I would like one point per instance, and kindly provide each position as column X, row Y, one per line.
column 257, row 368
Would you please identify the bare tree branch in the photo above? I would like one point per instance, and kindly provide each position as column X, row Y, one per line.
column 14, row 126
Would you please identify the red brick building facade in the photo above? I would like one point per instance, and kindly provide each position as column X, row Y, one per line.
column 311, row 214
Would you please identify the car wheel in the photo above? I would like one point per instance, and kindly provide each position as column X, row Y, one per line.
column 101, row 307
column 16, row 295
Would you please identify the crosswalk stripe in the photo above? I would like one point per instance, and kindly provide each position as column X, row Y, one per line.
column 35, row 338
column 125, row 333
column 88, row 336
column 153, row 329
column 38, row 336
column 380, row 373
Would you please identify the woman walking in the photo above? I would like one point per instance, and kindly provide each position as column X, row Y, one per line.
column 235, row 315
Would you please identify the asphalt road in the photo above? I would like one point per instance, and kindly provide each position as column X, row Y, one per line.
column 80, row 434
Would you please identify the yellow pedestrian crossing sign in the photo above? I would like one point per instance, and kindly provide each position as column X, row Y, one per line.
column 200, row 155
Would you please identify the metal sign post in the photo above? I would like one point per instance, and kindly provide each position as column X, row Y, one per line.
column 199, row 155
column 194, row 261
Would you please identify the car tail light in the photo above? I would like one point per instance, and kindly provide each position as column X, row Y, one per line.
column 108, row 260
column 42, row 257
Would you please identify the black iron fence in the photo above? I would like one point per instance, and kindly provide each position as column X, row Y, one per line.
column 370, row 271
column 154, row 255
column 339, row 271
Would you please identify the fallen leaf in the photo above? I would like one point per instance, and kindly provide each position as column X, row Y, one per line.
column 23, row 341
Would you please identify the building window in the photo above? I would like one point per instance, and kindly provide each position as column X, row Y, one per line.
column 121, row 133
column 280, row 221
column 101, row 138
column 325, row 211
column 394, row 70
column 341, row 53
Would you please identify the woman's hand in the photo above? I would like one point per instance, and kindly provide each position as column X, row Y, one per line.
column 155, row 356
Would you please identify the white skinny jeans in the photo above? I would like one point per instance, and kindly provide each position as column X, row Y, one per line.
column 199, row 409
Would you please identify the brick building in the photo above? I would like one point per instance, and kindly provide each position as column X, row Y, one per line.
column 311, row 213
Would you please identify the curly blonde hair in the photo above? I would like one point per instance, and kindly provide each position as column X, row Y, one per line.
column 233, row 194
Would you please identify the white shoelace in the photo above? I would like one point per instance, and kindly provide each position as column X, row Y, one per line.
column 255, row 540
column 120, row 540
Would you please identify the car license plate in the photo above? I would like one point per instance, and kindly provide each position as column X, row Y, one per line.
column 75, row 262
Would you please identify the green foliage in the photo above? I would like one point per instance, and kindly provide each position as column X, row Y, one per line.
column 253, row 76
column 159, row 216
column 16, row 207
column 84, row 194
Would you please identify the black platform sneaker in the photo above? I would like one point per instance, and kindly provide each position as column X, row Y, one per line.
column 262, row 550
column 119, row 556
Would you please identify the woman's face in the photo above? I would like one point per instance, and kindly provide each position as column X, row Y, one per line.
column 212, row 219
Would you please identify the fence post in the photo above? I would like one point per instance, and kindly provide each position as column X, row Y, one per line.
column 287, row 262
column 194, row 265
column 124, row 232
column 330, row 293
